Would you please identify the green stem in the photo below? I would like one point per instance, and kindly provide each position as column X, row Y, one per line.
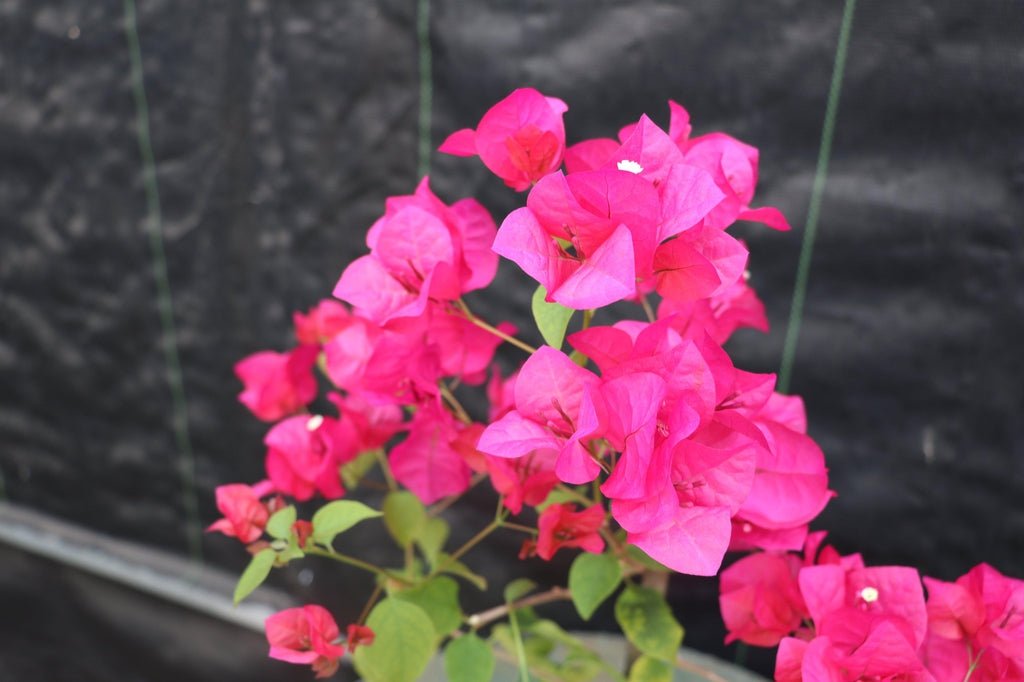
column 519, row 527
column 385, row 468
column 352, row 561
column 474, row 541
column 648, row 310
column 588, row 316
column 517, row 637
column 493, row 330
column 579, row 497
column 454, row 403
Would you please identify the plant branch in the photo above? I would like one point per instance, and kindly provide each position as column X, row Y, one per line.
column 698, row 670
column 454, row 403
column 478, row 620
column 385, row 468
column 648, row 310
column 352, row 561
column 493, row 330
column 369, row 603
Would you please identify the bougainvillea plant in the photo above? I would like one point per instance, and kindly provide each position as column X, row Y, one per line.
column 634, row 443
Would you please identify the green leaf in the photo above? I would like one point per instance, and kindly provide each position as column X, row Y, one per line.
column 439, row 599
column 519, row 587
column 456, row 567
column 432, row 539
column 352, row 472
column 404, row 643
column 592, row 579
column 552, row 318
column 557, row 496
column 648, row 623
column 404, row 516
column 647, row 669
column 254, row 574
column 279, row 525
column 337, row 517
column 468, row 659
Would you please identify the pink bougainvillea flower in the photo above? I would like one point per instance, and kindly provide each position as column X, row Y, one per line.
column 733, row 165
column 520, row 139
column 554, row 410
column 374, row 423
column 760, row 599
column 464, row 349
column 304, row 453
column 427, row 462
column 560, row 525
column 700, row 263
column 983, row 609
column 734, row 307
column 244, row 515
column 323, row 321
column 420, row 250
column 305, row 635
column 527, row 480
column 790, row 486
column 395, row 364
column 278, row 384
column 869, row 623
column 359, row 635
column 607, row 221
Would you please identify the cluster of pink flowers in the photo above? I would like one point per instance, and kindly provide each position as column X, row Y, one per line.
column 308, row 635
column 835, row 619
column 691, row 455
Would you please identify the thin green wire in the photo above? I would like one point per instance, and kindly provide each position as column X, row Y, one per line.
column 426, row 85
column 796, row 311
column 154, row 226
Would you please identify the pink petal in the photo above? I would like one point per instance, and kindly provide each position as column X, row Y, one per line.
column 460, row 143
column 522, row 240
column 550, row 385
column 371, row 290
column 605, row 277
column 426, row 463
column 823, row 589
column 478, row 232
column 515, row 436
column 769, row 215
column 694, row 542
column 683, row 273
column 679, row 127
column 688, row 194
column 590, row 154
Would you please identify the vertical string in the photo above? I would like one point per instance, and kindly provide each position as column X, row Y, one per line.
column 165, row 304
column 796, row 311
column 426, row 85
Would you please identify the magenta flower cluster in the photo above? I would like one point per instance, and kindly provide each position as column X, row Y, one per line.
column 666, row 445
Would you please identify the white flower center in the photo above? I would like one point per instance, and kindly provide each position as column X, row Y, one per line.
column 747, row 528
column 629, row 166
column 869, row 594
column 314, row 422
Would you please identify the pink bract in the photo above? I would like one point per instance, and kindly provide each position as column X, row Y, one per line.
column 560, row 525
column 305, row 635
column 520, row 139
column 244, row 515
column 278, row 384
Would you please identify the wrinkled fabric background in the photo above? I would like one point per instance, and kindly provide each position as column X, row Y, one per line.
column 280, row 127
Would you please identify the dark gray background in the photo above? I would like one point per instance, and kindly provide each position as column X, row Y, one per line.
column 280, row 127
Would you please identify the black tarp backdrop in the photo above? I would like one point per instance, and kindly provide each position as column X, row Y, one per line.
column 279, row 128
